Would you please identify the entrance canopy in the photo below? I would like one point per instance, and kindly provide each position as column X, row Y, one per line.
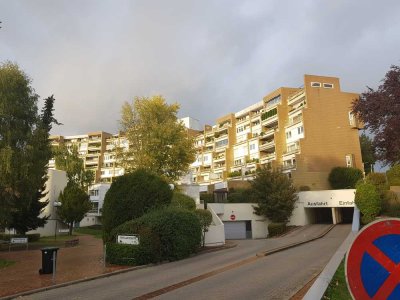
column 328, row 198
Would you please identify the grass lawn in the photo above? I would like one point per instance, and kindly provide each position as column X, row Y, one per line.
column 5, row 263
column 337, row 289
column 96, row 231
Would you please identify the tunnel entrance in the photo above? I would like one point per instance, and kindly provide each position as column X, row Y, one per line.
column 323, row 215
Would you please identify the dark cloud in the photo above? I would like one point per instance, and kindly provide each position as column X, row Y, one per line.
column 213, row 57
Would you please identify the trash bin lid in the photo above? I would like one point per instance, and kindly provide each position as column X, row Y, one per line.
column 49, row 248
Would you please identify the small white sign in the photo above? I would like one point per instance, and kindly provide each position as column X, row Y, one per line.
column 63, row 230
column 128, row 239
column 19, row 240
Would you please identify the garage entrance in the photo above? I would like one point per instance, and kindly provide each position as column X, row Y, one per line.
column 346, row 214
column 235, row 230
column 323, row 215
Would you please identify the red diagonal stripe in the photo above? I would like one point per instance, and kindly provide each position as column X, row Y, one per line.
column 389, row 285
column 380, row 257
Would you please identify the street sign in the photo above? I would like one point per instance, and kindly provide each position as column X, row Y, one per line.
column 19, row 240
column 233, row 217
column 373, row 262
column 63, row 230
column 128, row 239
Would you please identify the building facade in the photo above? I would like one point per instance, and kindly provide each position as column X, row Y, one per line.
column 304, row 132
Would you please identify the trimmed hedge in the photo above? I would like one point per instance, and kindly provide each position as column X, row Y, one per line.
column 132, row 195
column 167, row 234
column 275, row 229
column 390, row 204
column 344, row 178
column 368, row 201
column 180, row 200
column 206, row 197
column 241, row 196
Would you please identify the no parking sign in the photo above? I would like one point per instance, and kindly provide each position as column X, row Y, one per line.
column 373, row 262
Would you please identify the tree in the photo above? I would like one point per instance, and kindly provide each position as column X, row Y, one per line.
column 24, row 150
column 205, row 218
column 69, row 161
column 367, row 153
column 132, row 195
column 380, row 110
column 158, row 142
column 344, row 178
column 75, row 204
column 275, row 195
column 368, row 201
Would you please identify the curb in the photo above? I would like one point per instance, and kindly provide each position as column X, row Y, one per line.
column 64, row 284
column 269, row 252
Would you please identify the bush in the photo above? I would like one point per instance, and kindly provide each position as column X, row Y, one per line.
column 390, row 204
column 368, row 201
column 205, row 218
column 378, row 180
column 132, row 195
column 344, row 178
column 235, row 174
column 180, row 200
column 275, row 229
column 393, row 175
column 206, row 197
column 241, row 196
column 167, row 234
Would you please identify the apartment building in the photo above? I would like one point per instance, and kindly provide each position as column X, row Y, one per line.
column 98, row 152
column 304, row 132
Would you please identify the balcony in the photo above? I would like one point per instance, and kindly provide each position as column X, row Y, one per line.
column 296, row 97
column 296, row 120
column 266, row 146
column 219, row 158
column 295, row 150
column 287, row 167
column 267, row 158
column 267, row 134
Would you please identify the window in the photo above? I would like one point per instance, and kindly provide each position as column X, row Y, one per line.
column 94, row 192
column 300, row 130
column 349, row 160
column 328, row 85
column 221, row 143
column 205, row 158
column 351, row 118
column 252, row 146
column 316, row 84
column 288, row 134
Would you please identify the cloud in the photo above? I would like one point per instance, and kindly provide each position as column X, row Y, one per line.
column 213, row 57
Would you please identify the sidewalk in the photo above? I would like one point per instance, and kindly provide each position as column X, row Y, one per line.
column 82, row 261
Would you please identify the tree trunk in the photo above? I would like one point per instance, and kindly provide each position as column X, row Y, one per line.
column 70, row 227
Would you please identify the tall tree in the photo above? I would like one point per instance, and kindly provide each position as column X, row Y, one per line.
column 380, row 110
column 275, row 195
column 158, row 142
column 367, row 153
column 68, row 160
column 75, row 204
column 24, row 150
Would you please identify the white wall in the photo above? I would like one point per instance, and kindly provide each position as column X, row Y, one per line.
column 191, row 190
column 92, row 218
column 242, row 212
column 56, row 182
column 216, row 232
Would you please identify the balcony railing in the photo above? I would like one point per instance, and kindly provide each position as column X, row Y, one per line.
column 266, row 146
column 288, row 167
column 296, row 97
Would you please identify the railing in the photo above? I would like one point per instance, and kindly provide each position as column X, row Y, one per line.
column 294, row 121
column 288, row 167
column 295, row 95
column 266, row 145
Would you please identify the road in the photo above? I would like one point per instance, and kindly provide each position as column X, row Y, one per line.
column 276, row 276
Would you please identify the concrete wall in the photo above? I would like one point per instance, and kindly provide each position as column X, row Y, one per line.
column 216, row 233
column 242, row 212
column 191, row 190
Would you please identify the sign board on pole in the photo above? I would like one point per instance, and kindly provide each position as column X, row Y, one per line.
column 19, row 240
column 128, row 239
column 372, row 262
column 233, row 217
column 63, row 230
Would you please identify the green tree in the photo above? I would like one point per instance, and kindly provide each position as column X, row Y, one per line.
column 367, row 153
column 158, row 142
column 205, row 218
column 68, row 160
column 24, row 150
column 368, row 201
column 275, row 195
column 132, row 195
column 75, row 204
column 344, row 178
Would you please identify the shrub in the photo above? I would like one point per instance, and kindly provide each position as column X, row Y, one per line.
column 180, row 200
column 390, row 204
column 235, row 174
column 241, row 196
column 368, row 201
column 205, row 218
column 393, row 175
column 344, row 178
column 206, row 197
column 166, row 234
column 275, row 229
column 132, row 195
column 274, row 194
column 378, row 180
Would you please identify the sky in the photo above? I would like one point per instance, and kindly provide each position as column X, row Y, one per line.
column 212, row 57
